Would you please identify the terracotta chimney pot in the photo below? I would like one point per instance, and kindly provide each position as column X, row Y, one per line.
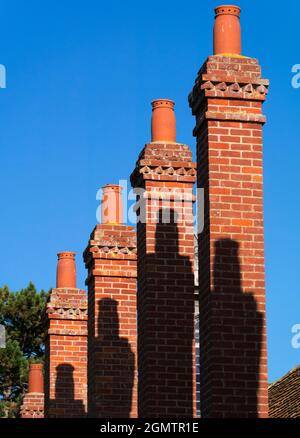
column 66, row 270
column 36, row 378
column 227, row 30
column 163, row 121
column 112, row 209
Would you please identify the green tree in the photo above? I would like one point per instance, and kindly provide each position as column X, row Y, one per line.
column 21, row 313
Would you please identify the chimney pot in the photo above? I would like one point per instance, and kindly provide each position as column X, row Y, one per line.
column 66, row 270
column 36, row 378
column 227, row 30
column 112, row 209
column 163, row 120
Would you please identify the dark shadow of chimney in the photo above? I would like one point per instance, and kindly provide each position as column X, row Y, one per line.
column 64, row 405
column 236, row 339
column 114, row 366
column 166, row 325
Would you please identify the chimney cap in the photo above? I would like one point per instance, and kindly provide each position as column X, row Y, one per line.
column 228, row 10
column 163, row 103
column 36, row 366
column 66, row 255
column 115, row 187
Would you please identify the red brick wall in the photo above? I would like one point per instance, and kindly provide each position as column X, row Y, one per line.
column 112, row 358
column 66, row 354
column 32, row 406
column 227, row 102
column 166, row 282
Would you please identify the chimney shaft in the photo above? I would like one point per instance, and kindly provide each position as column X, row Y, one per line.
column 163, row 121
column 36, row 378
column 66, row 270
column 227, row 30
column 112, row 209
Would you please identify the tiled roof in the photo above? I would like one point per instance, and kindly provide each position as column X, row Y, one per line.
column 284, row 396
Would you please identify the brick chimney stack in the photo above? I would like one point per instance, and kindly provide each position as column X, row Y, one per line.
column 66, row 344
column 110, row 259
column 33, row 402
column 227, row 102
column 165, row 238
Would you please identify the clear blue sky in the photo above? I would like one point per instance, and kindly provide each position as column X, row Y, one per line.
column 76, row 112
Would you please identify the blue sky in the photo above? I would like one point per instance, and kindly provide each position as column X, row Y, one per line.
column 76, row 112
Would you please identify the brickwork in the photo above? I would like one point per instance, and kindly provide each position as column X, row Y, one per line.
column 66, row 354
column 32, row 406
column 165, row 280
column 33, row 402
column 145, row 277
column 112, row 357
column 227, row 102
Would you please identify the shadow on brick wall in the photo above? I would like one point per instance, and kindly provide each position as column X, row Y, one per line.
column 166, row 322
column 231, row 341
column 114, row 374
column 64, row 405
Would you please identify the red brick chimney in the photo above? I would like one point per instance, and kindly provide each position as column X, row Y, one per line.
column 166, row 172
column 227, row 102
column 33, row 402
column 110, row 259
column 66, row 345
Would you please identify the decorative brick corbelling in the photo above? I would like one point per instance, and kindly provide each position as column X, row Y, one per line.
column 114, row 273
column 67, row 304
column 32, row 406
column 112, row 242
column 164, row 162
column 67, row 332
column 64, row 312
column 228, row 79
column 166, row 152
column 238, row 116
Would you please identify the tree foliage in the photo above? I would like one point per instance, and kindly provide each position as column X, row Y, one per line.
column 21, row 313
